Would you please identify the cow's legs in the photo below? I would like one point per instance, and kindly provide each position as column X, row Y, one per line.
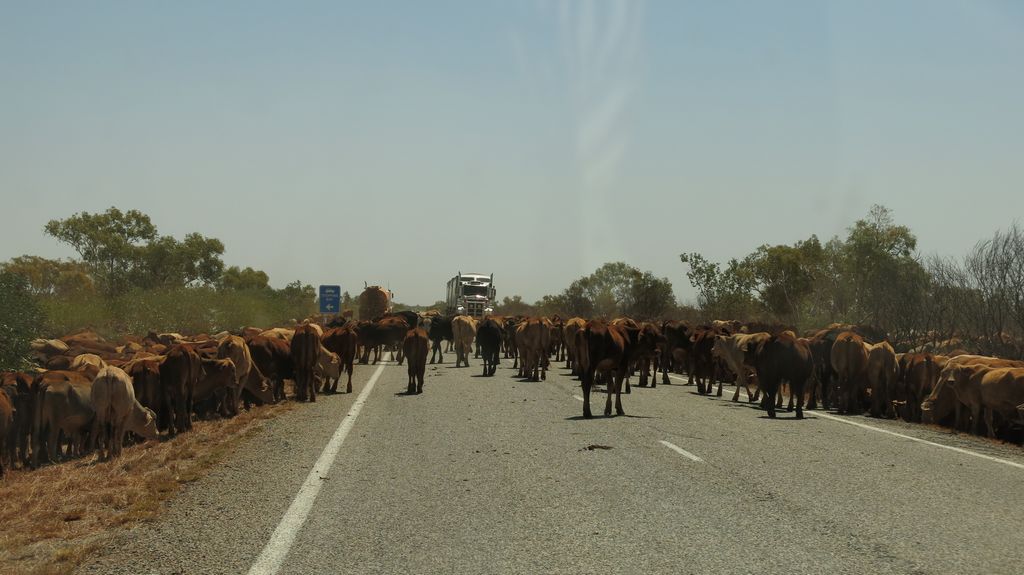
column 588, row 381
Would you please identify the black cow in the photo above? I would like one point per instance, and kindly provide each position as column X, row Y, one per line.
column 440, row 329
column 488, row 343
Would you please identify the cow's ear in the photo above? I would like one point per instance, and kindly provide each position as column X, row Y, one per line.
column 693, row 338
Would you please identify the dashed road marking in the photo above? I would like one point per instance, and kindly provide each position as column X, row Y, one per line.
column 281, row 541
column 577, row 397
column 680, row 451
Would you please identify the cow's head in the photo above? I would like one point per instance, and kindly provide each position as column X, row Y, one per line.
column 146, row 426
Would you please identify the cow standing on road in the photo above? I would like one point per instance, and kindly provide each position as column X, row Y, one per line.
column 415, row 346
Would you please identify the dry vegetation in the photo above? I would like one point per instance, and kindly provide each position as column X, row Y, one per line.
column 52, row 518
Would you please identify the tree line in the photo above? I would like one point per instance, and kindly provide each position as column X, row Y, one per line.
column 128, row 278
column 874, row 275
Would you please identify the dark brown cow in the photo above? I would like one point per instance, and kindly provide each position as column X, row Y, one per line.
column 388, row 333
column 305, row 353
column 6, row 430
column 273, row 358
column 676, row 349
column 608, row 348
column 916, row 372
column 850, row 360
column 145, row 374
column 415, row 346
column 783, row 357
column 20, row 388
column 703, row 362
column 179, row 374
column 343, row 341
column 488, row 341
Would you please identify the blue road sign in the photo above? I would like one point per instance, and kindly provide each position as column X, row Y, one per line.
column 330, row 299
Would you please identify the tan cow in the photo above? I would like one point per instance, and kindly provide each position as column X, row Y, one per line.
column 279, row 333
column 117, row 412
column 533, row 339
column 328, row 369
column 986, row 391
column 572, row 327
column 88, row 363
column 63, row 404
column 464, row 332
column 882, row 371
column 738, row 351
column 946, row 394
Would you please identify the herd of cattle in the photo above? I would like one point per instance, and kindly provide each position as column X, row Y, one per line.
column 89, row 393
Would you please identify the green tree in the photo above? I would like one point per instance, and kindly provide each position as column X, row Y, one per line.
column 20, row 320
column 247, row 279
column 514, row 305
column 722, row 293
column 46, row 277
column 122, row 250
column 107, row 242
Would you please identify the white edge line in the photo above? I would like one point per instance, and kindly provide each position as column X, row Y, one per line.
column 680, row 451
column 281, row 541
column 902, row 436
column 919, row 440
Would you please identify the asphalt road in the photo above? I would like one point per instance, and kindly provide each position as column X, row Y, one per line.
column 494, row 475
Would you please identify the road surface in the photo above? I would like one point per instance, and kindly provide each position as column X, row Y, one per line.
column 496, row 475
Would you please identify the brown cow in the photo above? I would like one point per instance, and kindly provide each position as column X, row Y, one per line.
column 273, row 358
column 214, row 387
column 305, row 351
column 882, row 372
column 62, row 404
column 607, row 353
column 572, row 326
column 20, row 389
column 676, row 350
column 386, row 333
column 914, row 383
column 533, row 338
column 849, row 359
column 342, row 341
column 415, row 346
column 6, row 430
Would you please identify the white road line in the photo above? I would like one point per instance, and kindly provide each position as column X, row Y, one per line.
column 919, row 440
column 281, row 541
column 680, row 451
column 900, row 435
column 577, row 397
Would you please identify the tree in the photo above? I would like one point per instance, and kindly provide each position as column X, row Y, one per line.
column 247, row 279
column 20, row 320
column 46, row 277
column 122, row 250
column 106, row 242
column 514, row 305
column 614, row 289
column 784, row 276
column 721, row 293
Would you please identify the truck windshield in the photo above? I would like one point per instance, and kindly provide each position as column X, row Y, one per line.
column 474, row 290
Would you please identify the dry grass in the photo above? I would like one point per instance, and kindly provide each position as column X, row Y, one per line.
column 51, row 519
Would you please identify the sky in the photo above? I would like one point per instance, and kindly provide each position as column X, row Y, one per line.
column 398, row 143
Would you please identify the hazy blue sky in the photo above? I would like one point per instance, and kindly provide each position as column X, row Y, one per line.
column 399, row 142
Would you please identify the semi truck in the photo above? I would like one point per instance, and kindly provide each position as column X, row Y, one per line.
column 471, row 294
